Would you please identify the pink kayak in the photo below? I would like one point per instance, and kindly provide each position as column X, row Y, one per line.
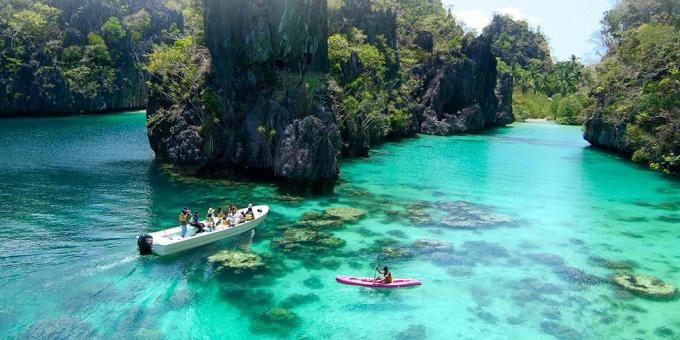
column 368, row 282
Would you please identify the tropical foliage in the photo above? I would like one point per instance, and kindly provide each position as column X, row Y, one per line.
column 74, row 51
column 638, row 81
column 543, row 88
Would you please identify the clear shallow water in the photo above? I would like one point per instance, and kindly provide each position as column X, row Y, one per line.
column 76, row 191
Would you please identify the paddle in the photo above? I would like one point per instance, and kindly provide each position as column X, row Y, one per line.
column 377, row 265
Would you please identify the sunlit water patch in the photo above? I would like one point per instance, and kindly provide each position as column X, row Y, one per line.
column 514, row 233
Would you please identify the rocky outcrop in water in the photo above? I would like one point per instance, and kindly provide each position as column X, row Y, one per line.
column 645, row 285
column 266, row 81
column 65, row 72
column 606, row 132
column 265, row 105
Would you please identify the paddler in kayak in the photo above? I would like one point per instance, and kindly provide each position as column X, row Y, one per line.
column 387, row 279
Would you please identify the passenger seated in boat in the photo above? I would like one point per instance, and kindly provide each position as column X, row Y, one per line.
column 220, row 216
column 183, row 217
column 386, row 272
column 196, row 224
column 249, row 215
column 210, row 218
column 233, row 209
column 232, row 219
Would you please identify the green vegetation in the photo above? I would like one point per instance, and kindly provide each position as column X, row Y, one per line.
column 372, row 77
column 637, row 84
column 76, row 56
column 543, row 89
column 176, row 70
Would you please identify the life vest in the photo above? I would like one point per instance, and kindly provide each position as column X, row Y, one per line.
column 388, row 277
column 249, row 216
column 220, row 215
column 209, row 217
column 182, row 218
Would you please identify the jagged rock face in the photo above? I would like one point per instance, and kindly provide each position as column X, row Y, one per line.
column 425, row 40
column 28, row 93
column 504, row 116
column 352, row 68
column 269, row 61
column 173, row 131
column 308, row 153
column 600, row 131
column 255, row 39
column 373, row 22
column 460, row 92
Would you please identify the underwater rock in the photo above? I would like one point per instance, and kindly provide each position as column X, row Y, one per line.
column 365, row 232
column 321, row 223
column 397, row 233
column 388, row 248
column 645, row 285
column 577, row 276
column 535, row 285
column 609, row 264
column 345, row 214
column 311, row 215
column 472, row 253
column 236, row 261
column 395, row 252
column 62, row 328
column 485, row 249
column 463, row 214
column 417, row 214
column 295, row 300
column 277, row 320
column 306, row 239
column 332, row 264
column 669, row 218
column 289, row 198
column 453, row 214
column 483, row 315
column 458, row 271
column 413, row 332
column 560, row 331
column 547, row 259
column 427, row 246
column 313, row 283
column 515, row 320
column 664, row 332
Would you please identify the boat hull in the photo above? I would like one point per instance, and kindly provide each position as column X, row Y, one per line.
column 368, row 282
column 167, row 242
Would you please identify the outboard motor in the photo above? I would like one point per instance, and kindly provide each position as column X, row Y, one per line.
column 144, row 243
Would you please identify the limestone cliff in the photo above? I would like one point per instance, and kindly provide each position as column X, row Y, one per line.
column 268, row 64
column 460, row 92
column 270, row 103
column 59, row 73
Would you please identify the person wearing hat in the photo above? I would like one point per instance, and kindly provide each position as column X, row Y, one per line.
column 210, row 218
column 249, row 215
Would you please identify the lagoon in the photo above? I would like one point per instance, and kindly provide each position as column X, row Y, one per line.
column 531, row 223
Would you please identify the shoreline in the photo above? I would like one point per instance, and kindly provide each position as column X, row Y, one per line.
column 59, row 114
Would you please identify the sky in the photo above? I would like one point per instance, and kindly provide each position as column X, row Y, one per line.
column 570, row 25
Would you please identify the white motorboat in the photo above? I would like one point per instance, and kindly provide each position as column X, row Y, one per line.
column 170, row 241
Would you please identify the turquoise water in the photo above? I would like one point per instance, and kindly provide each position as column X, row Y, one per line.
column 524, row 216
